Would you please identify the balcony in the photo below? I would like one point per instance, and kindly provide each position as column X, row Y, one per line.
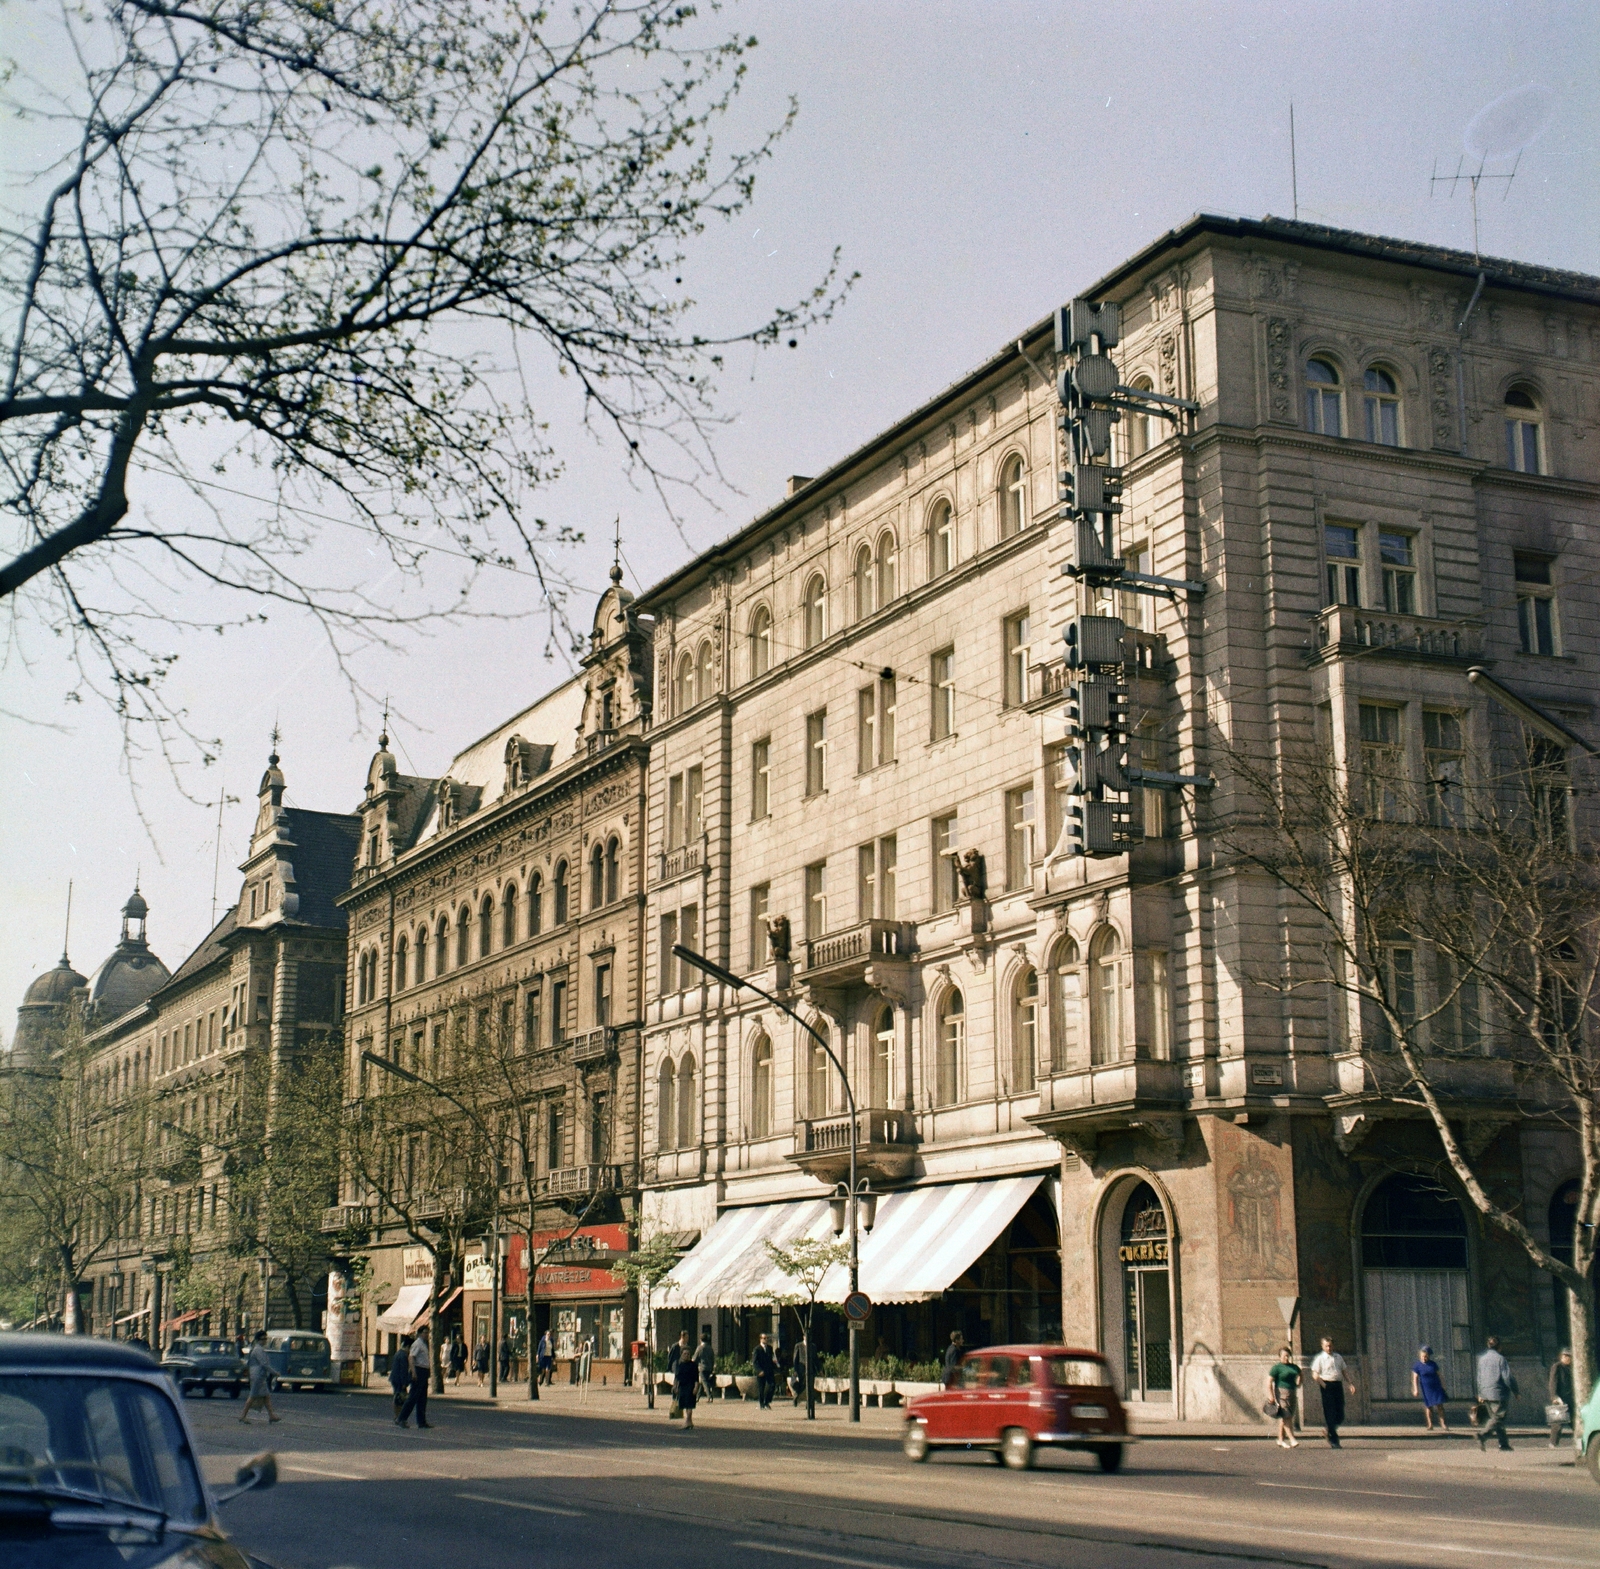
column 886, row 1145
column 1145, row 654
column 673, row 864
column 580, row 1182
column 844, row 957
column 595, row 1045
column 1342, row 628
column 595, row 744
column 342, row 1215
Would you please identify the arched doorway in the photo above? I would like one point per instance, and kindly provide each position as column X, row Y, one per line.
column 1144, row 1256
column 1415, row 1284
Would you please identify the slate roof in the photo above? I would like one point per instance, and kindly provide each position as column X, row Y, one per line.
column 212, row 948
column 324, row 857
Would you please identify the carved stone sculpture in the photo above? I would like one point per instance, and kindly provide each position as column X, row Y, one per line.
column 974, row 874
column 778, row 937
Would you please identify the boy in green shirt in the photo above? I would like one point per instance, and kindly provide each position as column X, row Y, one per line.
column 1283, row 1388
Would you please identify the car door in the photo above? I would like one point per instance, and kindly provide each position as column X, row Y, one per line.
column 994, row 1391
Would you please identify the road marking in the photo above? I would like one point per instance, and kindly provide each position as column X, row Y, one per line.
column 513, row 1503
column 1365, row 1492
column 821, row 1558
column 1432, row 1547
column 311, row 1470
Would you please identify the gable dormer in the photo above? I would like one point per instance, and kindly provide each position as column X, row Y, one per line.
column 525, row 761
column 616, row 668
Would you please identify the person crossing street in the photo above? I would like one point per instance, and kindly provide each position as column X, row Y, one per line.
column 765, row 1361
column 1496, row 1386
column 421, row 1373
column 1329, row 1375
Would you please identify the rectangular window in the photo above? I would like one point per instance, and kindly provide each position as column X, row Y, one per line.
column 866, row 730
column 1398, row 978
column 887, row 704
column 555, row 1146
column 693, row 802
column 689, row 937
column 667, row 962
column 816, row 899
column 1382, row 762
column 1017, row 630
column 1522, row 446
column 1153, row 798
column 817, row 752
column 674, row 811
column 531, row 1010
column 888, row 877
column 760, row 902
column 1138, row 611
column 1342, row 547
column 761, row 779
column 558, row 1012
column 1536, row 620
column 1398, row 554
column 1456, row 1025
column 866, row 881
column 684, row 798
column 945, row 878
column 942, row 679
column 508, row 1024
column 1020, row 829
column 876, row 875
column 1445, row 757
column 1059, row 777
column 602, row 994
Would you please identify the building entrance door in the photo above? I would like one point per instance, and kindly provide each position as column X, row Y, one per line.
column 1146, row 1296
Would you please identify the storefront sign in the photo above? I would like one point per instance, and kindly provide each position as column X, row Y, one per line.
column 567, row 1266
column 477, row 1274
column 1152, row 1252
column 416, row 1266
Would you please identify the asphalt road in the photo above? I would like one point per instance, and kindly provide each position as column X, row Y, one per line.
column 574, row 1486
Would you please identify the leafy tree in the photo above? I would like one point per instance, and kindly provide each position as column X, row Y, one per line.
column 806, row 1261
column 337, row 246
column 649, row 1265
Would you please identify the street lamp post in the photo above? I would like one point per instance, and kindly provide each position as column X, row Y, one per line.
column 494, row 1227
column 739, row 982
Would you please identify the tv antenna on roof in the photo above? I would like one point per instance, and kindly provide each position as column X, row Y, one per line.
column 1502, row 129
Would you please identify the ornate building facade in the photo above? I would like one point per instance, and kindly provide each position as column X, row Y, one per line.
column 1091, row 1111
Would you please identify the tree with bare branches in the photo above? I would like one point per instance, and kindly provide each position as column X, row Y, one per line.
column 338, row 244
column 1456, row 925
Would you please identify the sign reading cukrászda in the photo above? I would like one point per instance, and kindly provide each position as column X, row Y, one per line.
column 1150, row 1251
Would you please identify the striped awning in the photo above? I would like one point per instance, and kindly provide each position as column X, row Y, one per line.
column 403, row 1314
column 924, row 1240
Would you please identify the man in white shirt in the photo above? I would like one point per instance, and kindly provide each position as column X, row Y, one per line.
column 421, row 1372
column 1329, row 1375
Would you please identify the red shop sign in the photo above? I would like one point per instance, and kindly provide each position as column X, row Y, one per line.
column 574, row 1267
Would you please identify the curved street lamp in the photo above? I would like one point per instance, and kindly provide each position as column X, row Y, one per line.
column 854, row 1197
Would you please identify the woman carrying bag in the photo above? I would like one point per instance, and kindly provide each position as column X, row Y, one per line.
column 685, row 1384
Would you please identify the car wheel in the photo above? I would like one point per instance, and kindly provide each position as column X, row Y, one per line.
column 1016, row 1449
column 1592, row 1457
column 233, row 1391
column 915, row 1442
column 1110, row 1457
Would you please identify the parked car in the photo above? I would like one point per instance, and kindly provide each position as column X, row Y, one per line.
column 1013, row 1399
column 205, row 1364
column 300, row 1359
column 97, row 1464
column 1586, row 1432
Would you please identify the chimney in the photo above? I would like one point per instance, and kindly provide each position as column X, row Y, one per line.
column 797, row 483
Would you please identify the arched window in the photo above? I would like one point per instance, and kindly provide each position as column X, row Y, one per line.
column 761, row 1088
column 666, row 1116
column 535, row 905
column 1108, row 979
column 361, row 979
column 559, row 914
column 760, row 641
column 705, row 682
column 816, row 611
column 941, row 539
column 1013, row 496
column 1025, row 1032
column 1144, row 430
column 688, row 1134
column 886, row 564
column 1380, row 402
column 1412, row 1223
column 597, row 876
column 441, row 949
column 402, row 958
column 683, row 696
column 1324, row 405
column 508, row 916
column 613, row 870
column 819, row 1083
column 866, row 601
column 422, row 954
column 463, row 928
column 485, row 927
column 951, row 1047
column 882, row 1056
column 1524, row 432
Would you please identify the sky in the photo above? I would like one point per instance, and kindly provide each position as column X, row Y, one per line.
column 977, row 164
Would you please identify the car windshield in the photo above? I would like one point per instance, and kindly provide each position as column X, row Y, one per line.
column 208, row 1348
column 106, row 1439
column 1078, row 1373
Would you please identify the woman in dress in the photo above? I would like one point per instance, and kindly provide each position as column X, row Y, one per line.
column 1283, row 1388
column 686, row 1382
column 1427, row 1384
column 260, row 1380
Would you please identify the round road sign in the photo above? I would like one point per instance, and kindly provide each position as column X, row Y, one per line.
column 858, row 1307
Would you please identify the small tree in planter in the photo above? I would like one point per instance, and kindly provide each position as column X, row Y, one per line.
column 806, row 1261
column 643, row 1272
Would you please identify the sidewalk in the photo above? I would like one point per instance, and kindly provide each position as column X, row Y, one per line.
column 620, row 1400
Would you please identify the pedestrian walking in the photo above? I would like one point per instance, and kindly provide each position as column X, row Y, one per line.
column 505, row 1359
column 1329, row 1374
column 458, row 1359
column 1496, row 1386
column 1283, row 1390
column 1559, row 1411
column 800, row 1371
column 546, row 1363
column 686, row 1382
column 1427, row 1384
column 260, row 1370
column 480, row 1361
column 952, row 1358
column 400, row 1372
column 765, row 1361
column 421, row 1372
column 705, row 1359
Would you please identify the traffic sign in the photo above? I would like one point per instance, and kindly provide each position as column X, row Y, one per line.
column 858, row 1307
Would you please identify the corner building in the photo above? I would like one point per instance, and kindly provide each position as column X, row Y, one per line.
column 1089, row 1116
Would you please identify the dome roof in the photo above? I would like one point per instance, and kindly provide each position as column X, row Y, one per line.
column 125, row 980
column 55, row 986
column 136, row 909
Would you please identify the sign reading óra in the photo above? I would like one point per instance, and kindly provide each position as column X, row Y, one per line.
column 477, row 1274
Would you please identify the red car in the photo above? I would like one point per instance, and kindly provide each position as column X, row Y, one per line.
column 1011, row 1399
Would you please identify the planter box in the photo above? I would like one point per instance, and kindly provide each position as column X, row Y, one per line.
column 908, row 1389
column 745, row 1383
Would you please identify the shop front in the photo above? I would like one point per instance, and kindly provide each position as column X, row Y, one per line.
column 575, row 1297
